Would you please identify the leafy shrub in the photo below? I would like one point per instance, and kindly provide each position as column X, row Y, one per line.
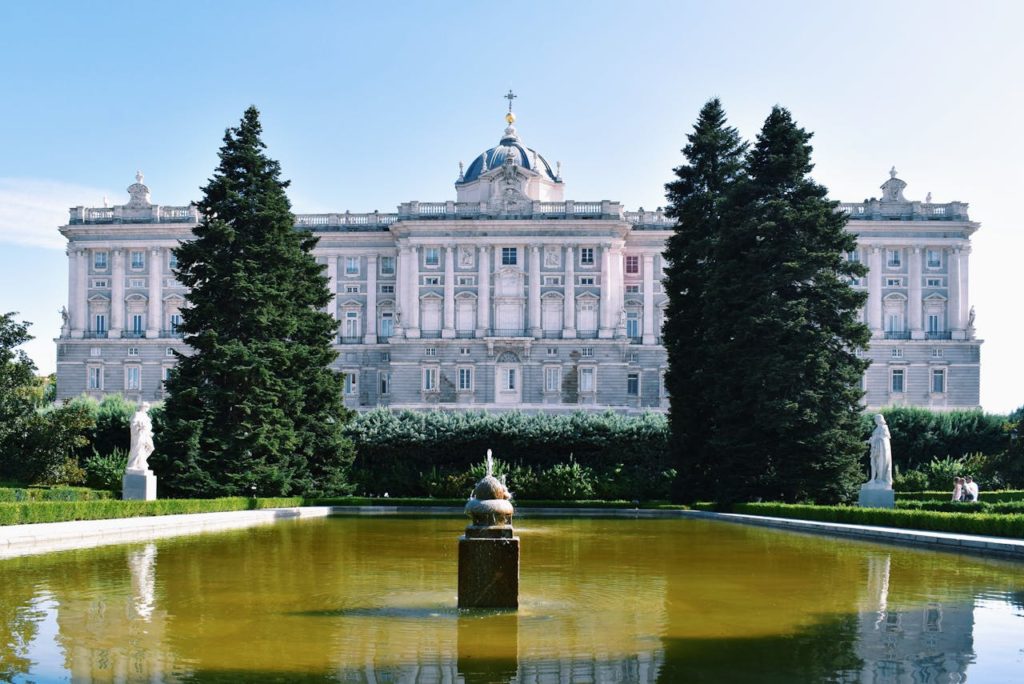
column 52, row 494
column 45, row 450
column 911, row 480
column 920, row 435
column 996, row 525
column 105, row 471
column 942, row 496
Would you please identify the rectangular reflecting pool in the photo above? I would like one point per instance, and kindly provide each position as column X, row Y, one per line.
column 372, row 599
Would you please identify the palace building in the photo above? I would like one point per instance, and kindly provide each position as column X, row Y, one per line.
column 509, row 295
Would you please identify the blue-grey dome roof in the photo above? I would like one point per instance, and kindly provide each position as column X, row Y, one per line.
column 509, row 146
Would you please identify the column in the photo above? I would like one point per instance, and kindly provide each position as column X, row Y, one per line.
column 915, row 304
column 569, row 292
column 117, row 292
column 370, row 336
column 955, row 313
column 448, row 326
column 534, row 292
column 155, row 323
column 606, row 326
column 82, row 290
column 75, row 312
column 412, row 281
column 648, row 265
column 483, row 293
column 332, row 285
column 875, row 291
column 965, row 300
column 616, row 303
column 401, row 291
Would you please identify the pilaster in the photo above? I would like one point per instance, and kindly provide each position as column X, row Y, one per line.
column 569, row 291
column 371, row 300
column 155, row 322
column 483, row 293
column 412, row 328
column 956, row 321
column 332, row 285
column 914, row 303
column 448, row 326
column 875, row 290
column 648, row 275
column 606, row 327
column 534, row 291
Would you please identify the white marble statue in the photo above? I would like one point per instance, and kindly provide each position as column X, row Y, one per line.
column 142, row 440
column 881, row 454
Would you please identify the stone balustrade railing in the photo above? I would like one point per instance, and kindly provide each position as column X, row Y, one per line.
column 876, row 210
column 127, row 214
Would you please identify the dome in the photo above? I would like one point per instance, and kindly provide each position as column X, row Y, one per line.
column 509, row 146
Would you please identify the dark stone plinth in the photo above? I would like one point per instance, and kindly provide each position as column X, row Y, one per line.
column 488, row 572
column 876, row 497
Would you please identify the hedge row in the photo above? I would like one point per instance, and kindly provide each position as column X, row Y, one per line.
column 991, row 524
column 996, row 496
column 449, row 502
column 63, row 511
column 14, row 494
column 963, row 506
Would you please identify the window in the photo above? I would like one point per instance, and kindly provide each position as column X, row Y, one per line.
column 896, row 353
column 137, row 324
column 351, row 289
column 465, row 379
column 172, row 259
column 351, row 382
column 431, row 280
column 387, row 289
column 431, row 256
column 430, row 351
column 95, row 351
column 138, row 260
column 586, row 256
column 632, row 324
column 466, row 280
column 95, row 379
column 859, row 353
column 938, row 381
column 552, row 379
column 552, row 280
column 351, row 266
column 133, row 351
column 387, row 265
column 933, row 323
column 587, row 352
column 101, row 282
column 633, row 357
column 175, row 322
column 508, row 379
column 136, row 282
column 587, row 379
column 168, row 351
column 552, row 351
column 936, row 353
column 429, row 379
column 633, row 384
column 385, row 356
column 893, row 259
column 853, row 256
column 586, row 280
column 896, row 382
column 165, row 374
column 387, row 324
column 351, row 324
column 632, row 289
column 99, row 261
column 894, row 282
column 632, row 265
column 934, row 258
column 464, row 351
column 101, row 323
column 509, row 256
column 132, row 378
column 933, row 282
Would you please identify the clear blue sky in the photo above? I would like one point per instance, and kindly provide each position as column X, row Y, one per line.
column 370, row 104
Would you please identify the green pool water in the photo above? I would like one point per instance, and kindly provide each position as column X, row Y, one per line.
column 364, row 599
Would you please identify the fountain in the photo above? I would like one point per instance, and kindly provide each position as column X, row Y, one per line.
column 489, row 549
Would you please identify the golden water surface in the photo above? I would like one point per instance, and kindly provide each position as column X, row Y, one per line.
column 370, row 599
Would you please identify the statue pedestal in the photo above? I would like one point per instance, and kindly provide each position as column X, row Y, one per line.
column 489, row 567
column 876, row 496
column 138, row 485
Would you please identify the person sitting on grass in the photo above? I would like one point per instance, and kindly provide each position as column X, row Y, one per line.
column 970, row 489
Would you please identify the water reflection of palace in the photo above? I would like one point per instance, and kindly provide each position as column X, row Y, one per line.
column 927, row 642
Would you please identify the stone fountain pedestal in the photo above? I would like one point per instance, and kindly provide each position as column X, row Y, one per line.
column 489, row 568
column 874, row 495
column 489, row 550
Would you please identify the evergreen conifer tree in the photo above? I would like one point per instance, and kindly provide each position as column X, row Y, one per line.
column 698, row 199
column 256, row 403
column 784, row 332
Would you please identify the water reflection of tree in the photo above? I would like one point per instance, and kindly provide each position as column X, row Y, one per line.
column 19, row 625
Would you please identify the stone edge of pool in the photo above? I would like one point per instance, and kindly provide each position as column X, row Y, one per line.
column 22, row 540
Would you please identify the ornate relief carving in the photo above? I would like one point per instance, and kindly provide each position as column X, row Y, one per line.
column 552, row 256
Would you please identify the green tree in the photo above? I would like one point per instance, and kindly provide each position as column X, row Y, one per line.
column 783, row 332
column 698, row 199
column 17, row 390
column 256, row 403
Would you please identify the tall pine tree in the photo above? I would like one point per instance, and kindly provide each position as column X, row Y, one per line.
column 697, row 198
column 256, row 403
column 783, row 332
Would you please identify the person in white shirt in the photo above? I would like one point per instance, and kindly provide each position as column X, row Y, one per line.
column 971, row 489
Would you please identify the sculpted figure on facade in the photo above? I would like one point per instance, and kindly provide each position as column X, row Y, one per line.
column 142, row 440
column 466, row 256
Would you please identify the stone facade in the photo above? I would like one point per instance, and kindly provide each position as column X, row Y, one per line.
column 509, row 296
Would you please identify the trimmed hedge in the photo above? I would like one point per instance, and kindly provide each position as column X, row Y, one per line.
column 63, row 511
column 991, row 524
column 995, row 496
column 963, row 506
column 17, row 494
column 449, row 502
